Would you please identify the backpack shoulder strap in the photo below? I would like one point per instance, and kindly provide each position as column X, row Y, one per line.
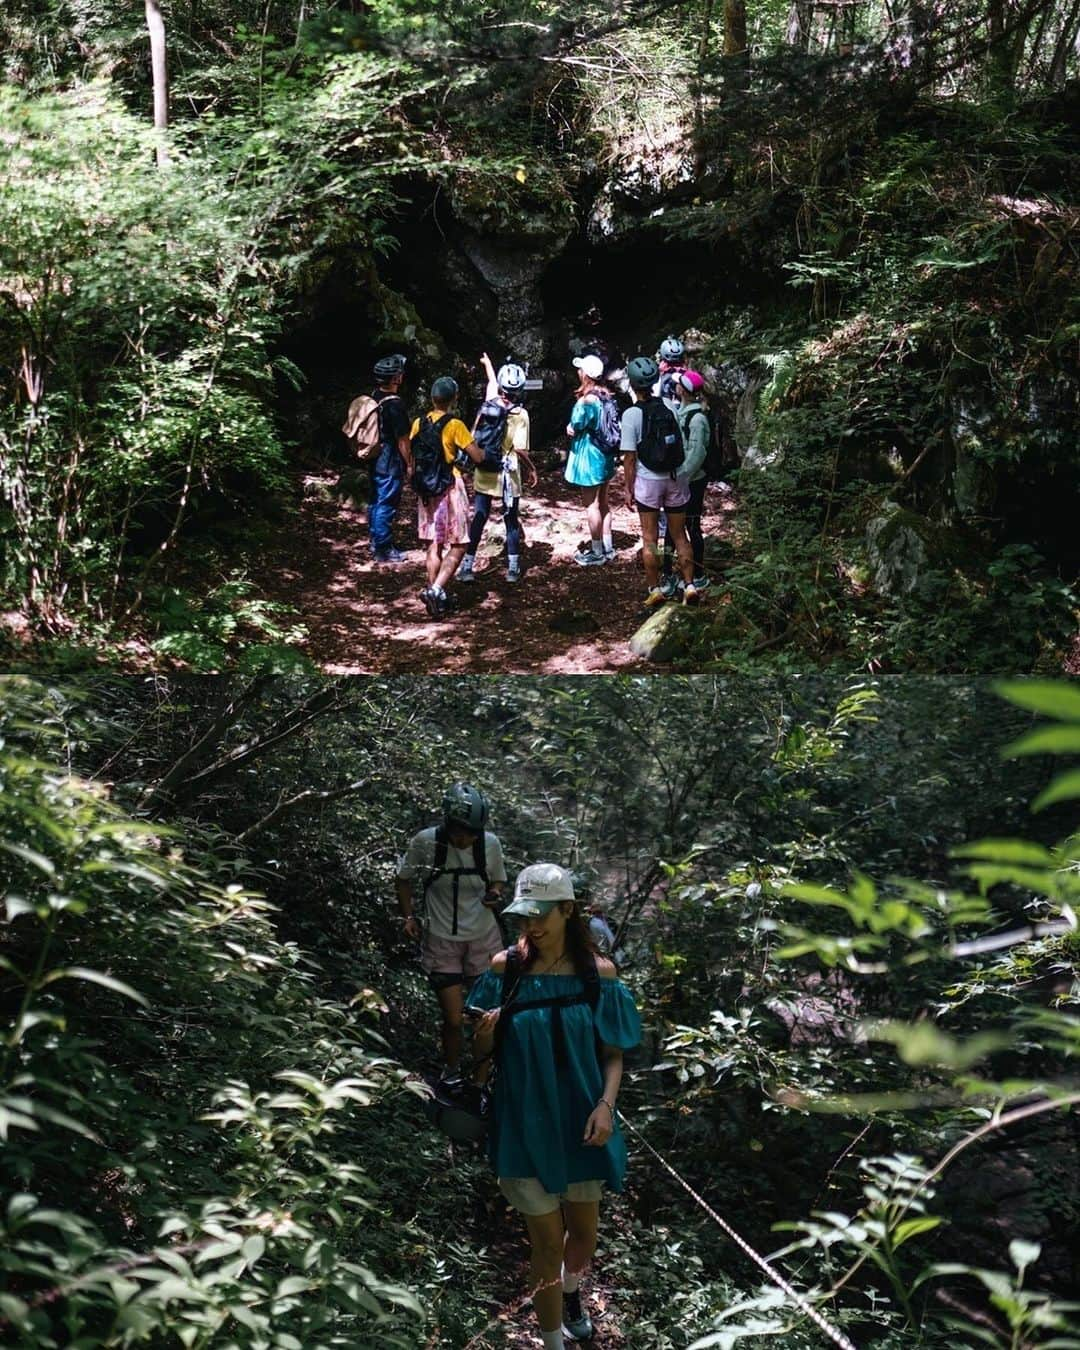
column 438, row 862
column 509, row 975
column 479, row 855
column 592, row 983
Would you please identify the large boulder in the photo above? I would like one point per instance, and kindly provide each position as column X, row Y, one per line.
column 903, row 546
column 665, row 635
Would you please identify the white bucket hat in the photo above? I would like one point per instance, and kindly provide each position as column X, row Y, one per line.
column 540, row 887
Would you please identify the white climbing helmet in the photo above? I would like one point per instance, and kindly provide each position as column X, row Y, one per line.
column 671, row 349
column 512, row 378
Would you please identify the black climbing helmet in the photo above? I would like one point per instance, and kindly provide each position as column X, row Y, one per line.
column 444, row 389
column 386, row 367
column 642, row 372
column 465, row 806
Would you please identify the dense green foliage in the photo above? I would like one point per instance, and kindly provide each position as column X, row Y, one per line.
column 908, row 174
column 210, row 1018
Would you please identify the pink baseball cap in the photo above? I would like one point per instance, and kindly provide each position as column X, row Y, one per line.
column 692, row 381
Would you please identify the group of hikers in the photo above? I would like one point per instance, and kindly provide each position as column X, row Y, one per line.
column 551, row 1020
column 665, row 438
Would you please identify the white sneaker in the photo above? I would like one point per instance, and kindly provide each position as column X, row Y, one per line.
column 590, row 559
column 465, row 571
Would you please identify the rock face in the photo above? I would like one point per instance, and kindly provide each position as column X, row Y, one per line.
column 650, row 173
column 897, row 549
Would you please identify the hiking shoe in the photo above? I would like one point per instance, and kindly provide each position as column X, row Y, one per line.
column 701, row 582
column 432, row 602
column 691, row 594
column 513, row 571
column 387, row 555
column 465, row 571
column 657, row 596
column 670, row 586
column 577, row 1324
column 609, row 554
column 590, row 559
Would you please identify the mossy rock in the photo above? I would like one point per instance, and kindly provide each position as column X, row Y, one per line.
column 903, row 546
column 665, row 635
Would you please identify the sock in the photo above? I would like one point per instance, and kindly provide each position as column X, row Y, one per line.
column 513, row 560
column 438, row 590
column 609, row 544
column 553, row 1340
column 598, row 547
column 570, row 1283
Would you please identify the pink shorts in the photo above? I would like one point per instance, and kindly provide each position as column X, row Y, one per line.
column 446, row 519
column 661, row 494
column 445, row 956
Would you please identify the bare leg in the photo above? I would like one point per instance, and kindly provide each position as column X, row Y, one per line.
column 434, row 561
column 604, row 507
column 650, row 553
column 546, row 1236
column 451, row 1001
column 581, row 1225
column 683, row 548
column 449, row 564
column 594, row 512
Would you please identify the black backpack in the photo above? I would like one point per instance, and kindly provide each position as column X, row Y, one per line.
column 432, row 476
column 661, row 446
column 440, row 869
column 490, row 432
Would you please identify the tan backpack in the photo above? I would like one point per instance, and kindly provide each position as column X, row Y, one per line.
column 362, row 427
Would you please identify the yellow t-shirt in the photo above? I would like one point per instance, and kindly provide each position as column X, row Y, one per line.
column 515, row 437
column 455, row 435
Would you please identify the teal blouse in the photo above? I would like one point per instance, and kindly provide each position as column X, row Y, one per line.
column 540, row 1109
column 587, row 465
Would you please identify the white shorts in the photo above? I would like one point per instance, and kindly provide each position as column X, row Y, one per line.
column 528, row 1196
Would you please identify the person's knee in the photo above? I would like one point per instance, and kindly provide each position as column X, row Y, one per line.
column 547, row 1255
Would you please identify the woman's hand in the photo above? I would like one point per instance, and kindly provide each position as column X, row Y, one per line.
column 599, row 1126
column 484, row 1031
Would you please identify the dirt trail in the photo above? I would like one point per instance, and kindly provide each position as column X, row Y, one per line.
column 367, row 619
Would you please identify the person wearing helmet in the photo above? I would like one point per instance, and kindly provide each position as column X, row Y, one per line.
column 591, row 463
column 653, row 457
column 459, row 867
column 672, row 362
column 696, row 433
column 502, row 404
column 558, row 1038
column 394, row 460
column 443, row 520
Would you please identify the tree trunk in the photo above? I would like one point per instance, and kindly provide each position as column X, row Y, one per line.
column 734, row 27
column 1066, row 39
column 155, row 26
column 800, row 24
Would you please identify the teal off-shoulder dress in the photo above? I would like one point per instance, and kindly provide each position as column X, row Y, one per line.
column 542, row 1099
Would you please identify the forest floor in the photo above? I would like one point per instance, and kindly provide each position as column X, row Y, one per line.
column 561, row 619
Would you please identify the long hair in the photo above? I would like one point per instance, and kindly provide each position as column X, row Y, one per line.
column 580, row 946
column 587, row 385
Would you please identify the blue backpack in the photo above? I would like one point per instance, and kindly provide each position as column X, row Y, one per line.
column 608, row 437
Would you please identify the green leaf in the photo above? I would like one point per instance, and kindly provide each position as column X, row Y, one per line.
column 912, row 1227
column 95, row 977
column 1005, row 851
column 1055, row 740
column 1055, row 698
column 31, row 856
column 1065, row 787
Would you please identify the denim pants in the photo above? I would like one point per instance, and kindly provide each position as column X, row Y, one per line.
column 387, row 483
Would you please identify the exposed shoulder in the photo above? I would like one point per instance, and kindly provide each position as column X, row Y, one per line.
column 498, row 962
column 605, row 968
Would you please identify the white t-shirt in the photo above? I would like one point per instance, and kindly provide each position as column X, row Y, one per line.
column 473, row 920
column 631, row 423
